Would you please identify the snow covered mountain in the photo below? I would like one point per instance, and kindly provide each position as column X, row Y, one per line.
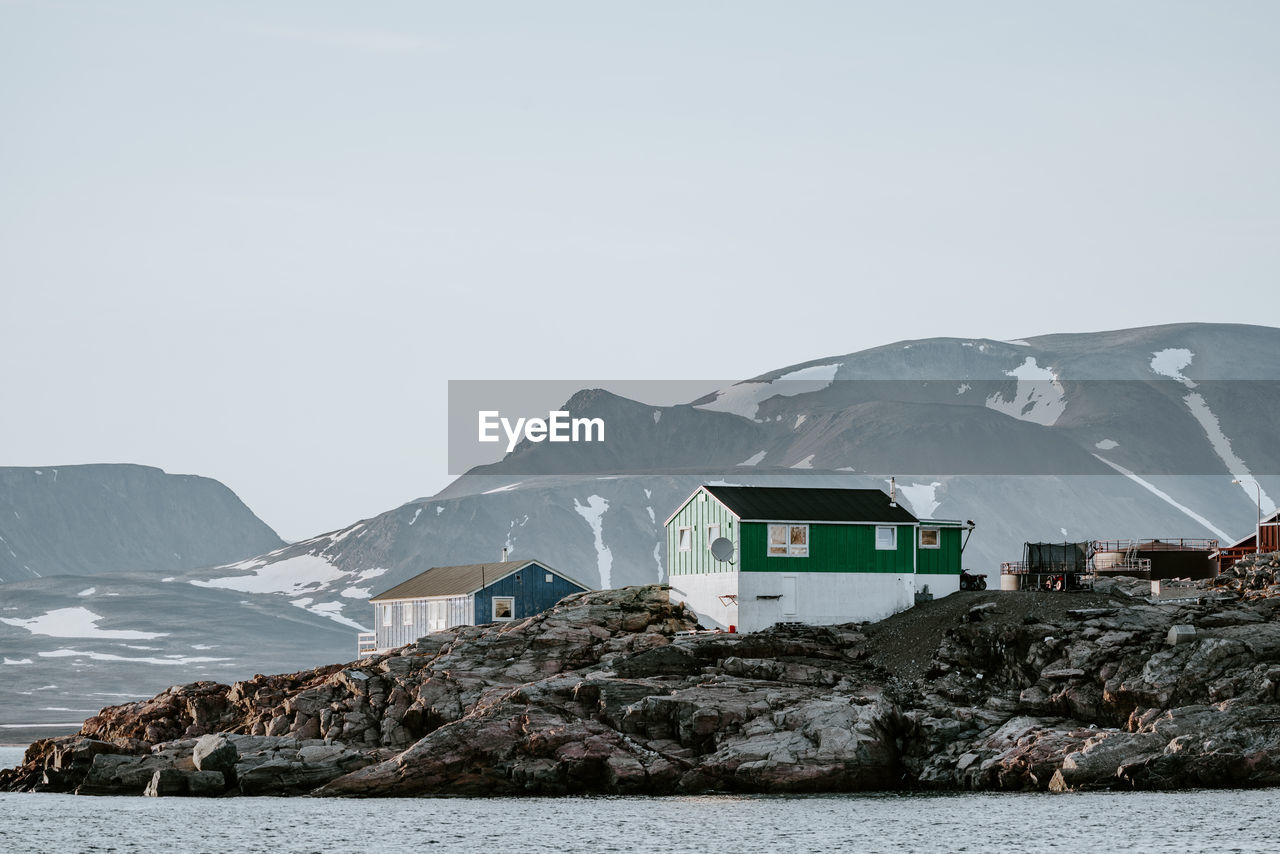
column 1134, row 433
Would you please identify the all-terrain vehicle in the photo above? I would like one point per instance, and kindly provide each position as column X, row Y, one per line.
column 973, row 580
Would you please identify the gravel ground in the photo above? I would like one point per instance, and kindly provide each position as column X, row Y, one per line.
column 905, row 643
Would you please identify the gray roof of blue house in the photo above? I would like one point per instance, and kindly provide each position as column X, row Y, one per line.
column 809, row 504
column 460, row 580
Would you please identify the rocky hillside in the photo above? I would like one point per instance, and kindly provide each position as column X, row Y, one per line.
column 604, row 693
column 94, row 519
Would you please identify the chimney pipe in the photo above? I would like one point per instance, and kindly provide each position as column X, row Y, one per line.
column 504, row 554
column 893, row 492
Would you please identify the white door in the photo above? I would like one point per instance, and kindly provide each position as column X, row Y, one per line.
column 789, row 606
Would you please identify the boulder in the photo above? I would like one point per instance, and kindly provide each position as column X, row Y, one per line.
column 165, row 782
column 206, row 784
column 214, row 753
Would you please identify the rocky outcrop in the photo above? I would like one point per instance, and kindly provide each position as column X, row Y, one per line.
column 610, row 692
column 1253, row 576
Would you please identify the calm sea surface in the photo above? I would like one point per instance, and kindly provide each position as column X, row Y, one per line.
column 991, row 824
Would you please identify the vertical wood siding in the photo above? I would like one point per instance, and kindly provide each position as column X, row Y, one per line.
column 944, row 560
column 699, row 514
column 833, row 547
column 532, row 592
column 533, row 595
column 457, row 611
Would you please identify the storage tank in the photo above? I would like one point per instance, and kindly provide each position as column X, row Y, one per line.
column 1156, row 558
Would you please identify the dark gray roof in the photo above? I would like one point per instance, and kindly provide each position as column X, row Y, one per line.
column 459, row 580
column 809, row 504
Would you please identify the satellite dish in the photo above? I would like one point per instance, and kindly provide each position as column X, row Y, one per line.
column 722, row 549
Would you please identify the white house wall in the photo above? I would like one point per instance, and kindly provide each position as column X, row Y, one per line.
column 823, row 598
column 701, row 593
column 939, row 584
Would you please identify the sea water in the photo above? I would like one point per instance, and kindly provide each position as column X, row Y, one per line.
column 1219, row 821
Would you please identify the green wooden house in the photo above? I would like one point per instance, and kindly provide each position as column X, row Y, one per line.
column 808, row 555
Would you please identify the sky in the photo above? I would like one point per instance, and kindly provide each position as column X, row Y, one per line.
column 255, row 240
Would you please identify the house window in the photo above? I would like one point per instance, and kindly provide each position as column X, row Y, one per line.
column 548, row 578
column 406, row 613
column 713, row 533
column 886, row 538
column 386, row 615
column 789, row 540
column 929, row 538
column 504, row 608
column 685, row 539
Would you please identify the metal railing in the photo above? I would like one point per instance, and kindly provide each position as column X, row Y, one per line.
column 366, row 642
column 1175, row 544
column 1046, row 576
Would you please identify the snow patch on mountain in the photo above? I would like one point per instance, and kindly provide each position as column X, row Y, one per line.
column 754, row 459
column 1038, row 398
column 1222, row 447
column 416, row 514
column 657, row 558
column 806, row 463
column 331, row 610
column 495, row 490
column 1106, row 444
column 1171, row 361
column 1166, row 497
column 745, row 398
column 293, row 576
column 593, row 511
column 168, row 660
column 75, row 623
column 922, row 497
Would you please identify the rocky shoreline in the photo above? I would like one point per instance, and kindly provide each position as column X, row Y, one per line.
column 605, row 693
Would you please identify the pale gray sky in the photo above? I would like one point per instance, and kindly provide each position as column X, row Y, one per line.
column 254, row 240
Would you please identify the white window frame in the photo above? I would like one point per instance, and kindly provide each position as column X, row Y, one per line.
column 406, row 613
column 684, row 544
column 386, row 615
column 493, row 607
column 892, row 545
column 937, row 538
column 791, row 549
column 548, row 578
column 713, row 532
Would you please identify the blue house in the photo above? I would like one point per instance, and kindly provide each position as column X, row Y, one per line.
column 448, row 596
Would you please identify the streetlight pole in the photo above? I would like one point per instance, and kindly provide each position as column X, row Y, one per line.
column 1257, row 532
